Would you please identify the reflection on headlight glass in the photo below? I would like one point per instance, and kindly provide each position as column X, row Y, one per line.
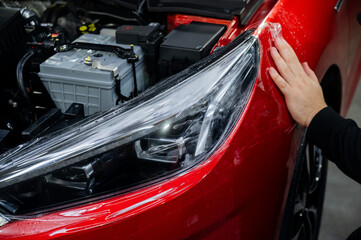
column 127, row 147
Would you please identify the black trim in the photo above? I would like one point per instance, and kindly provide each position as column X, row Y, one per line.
column 225, row 9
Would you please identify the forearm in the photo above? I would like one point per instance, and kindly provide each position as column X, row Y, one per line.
column 339, row 138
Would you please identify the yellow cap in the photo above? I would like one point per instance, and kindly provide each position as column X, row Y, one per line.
column 83, row 28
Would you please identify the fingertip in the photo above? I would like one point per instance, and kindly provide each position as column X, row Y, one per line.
column 273, row 50
column 282, row 43
column 278, row 40
column 271, row 71
column 304, row 66
column 273, row 74
column 307, row 68
column 309, row 71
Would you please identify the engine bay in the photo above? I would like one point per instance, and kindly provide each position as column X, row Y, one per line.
column 64, row 61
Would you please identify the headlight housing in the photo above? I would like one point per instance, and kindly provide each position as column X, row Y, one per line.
column 174, row 126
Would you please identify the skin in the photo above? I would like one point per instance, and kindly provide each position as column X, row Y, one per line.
column 298, row 83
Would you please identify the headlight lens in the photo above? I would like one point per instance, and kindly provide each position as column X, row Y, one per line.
column 176, row 125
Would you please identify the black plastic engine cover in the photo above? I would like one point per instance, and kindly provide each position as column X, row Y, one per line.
column 132, row 34
column 187, row 44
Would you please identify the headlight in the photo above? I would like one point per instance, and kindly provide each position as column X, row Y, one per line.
column 176, row 125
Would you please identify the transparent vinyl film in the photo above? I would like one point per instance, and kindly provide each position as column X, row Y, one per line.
column 143, row 141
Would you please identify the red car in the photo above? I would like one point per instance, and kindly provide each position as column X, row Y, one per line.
column 192, row 141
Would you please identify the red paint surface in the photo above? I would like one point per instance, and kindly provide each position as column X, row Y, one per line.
column 240, row 192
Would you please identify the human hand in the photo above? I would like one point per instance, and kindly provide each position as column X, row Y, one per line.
column 298, row 83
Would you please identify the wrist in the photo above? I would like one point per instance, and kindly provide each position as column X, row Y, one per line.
column 316, row 110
